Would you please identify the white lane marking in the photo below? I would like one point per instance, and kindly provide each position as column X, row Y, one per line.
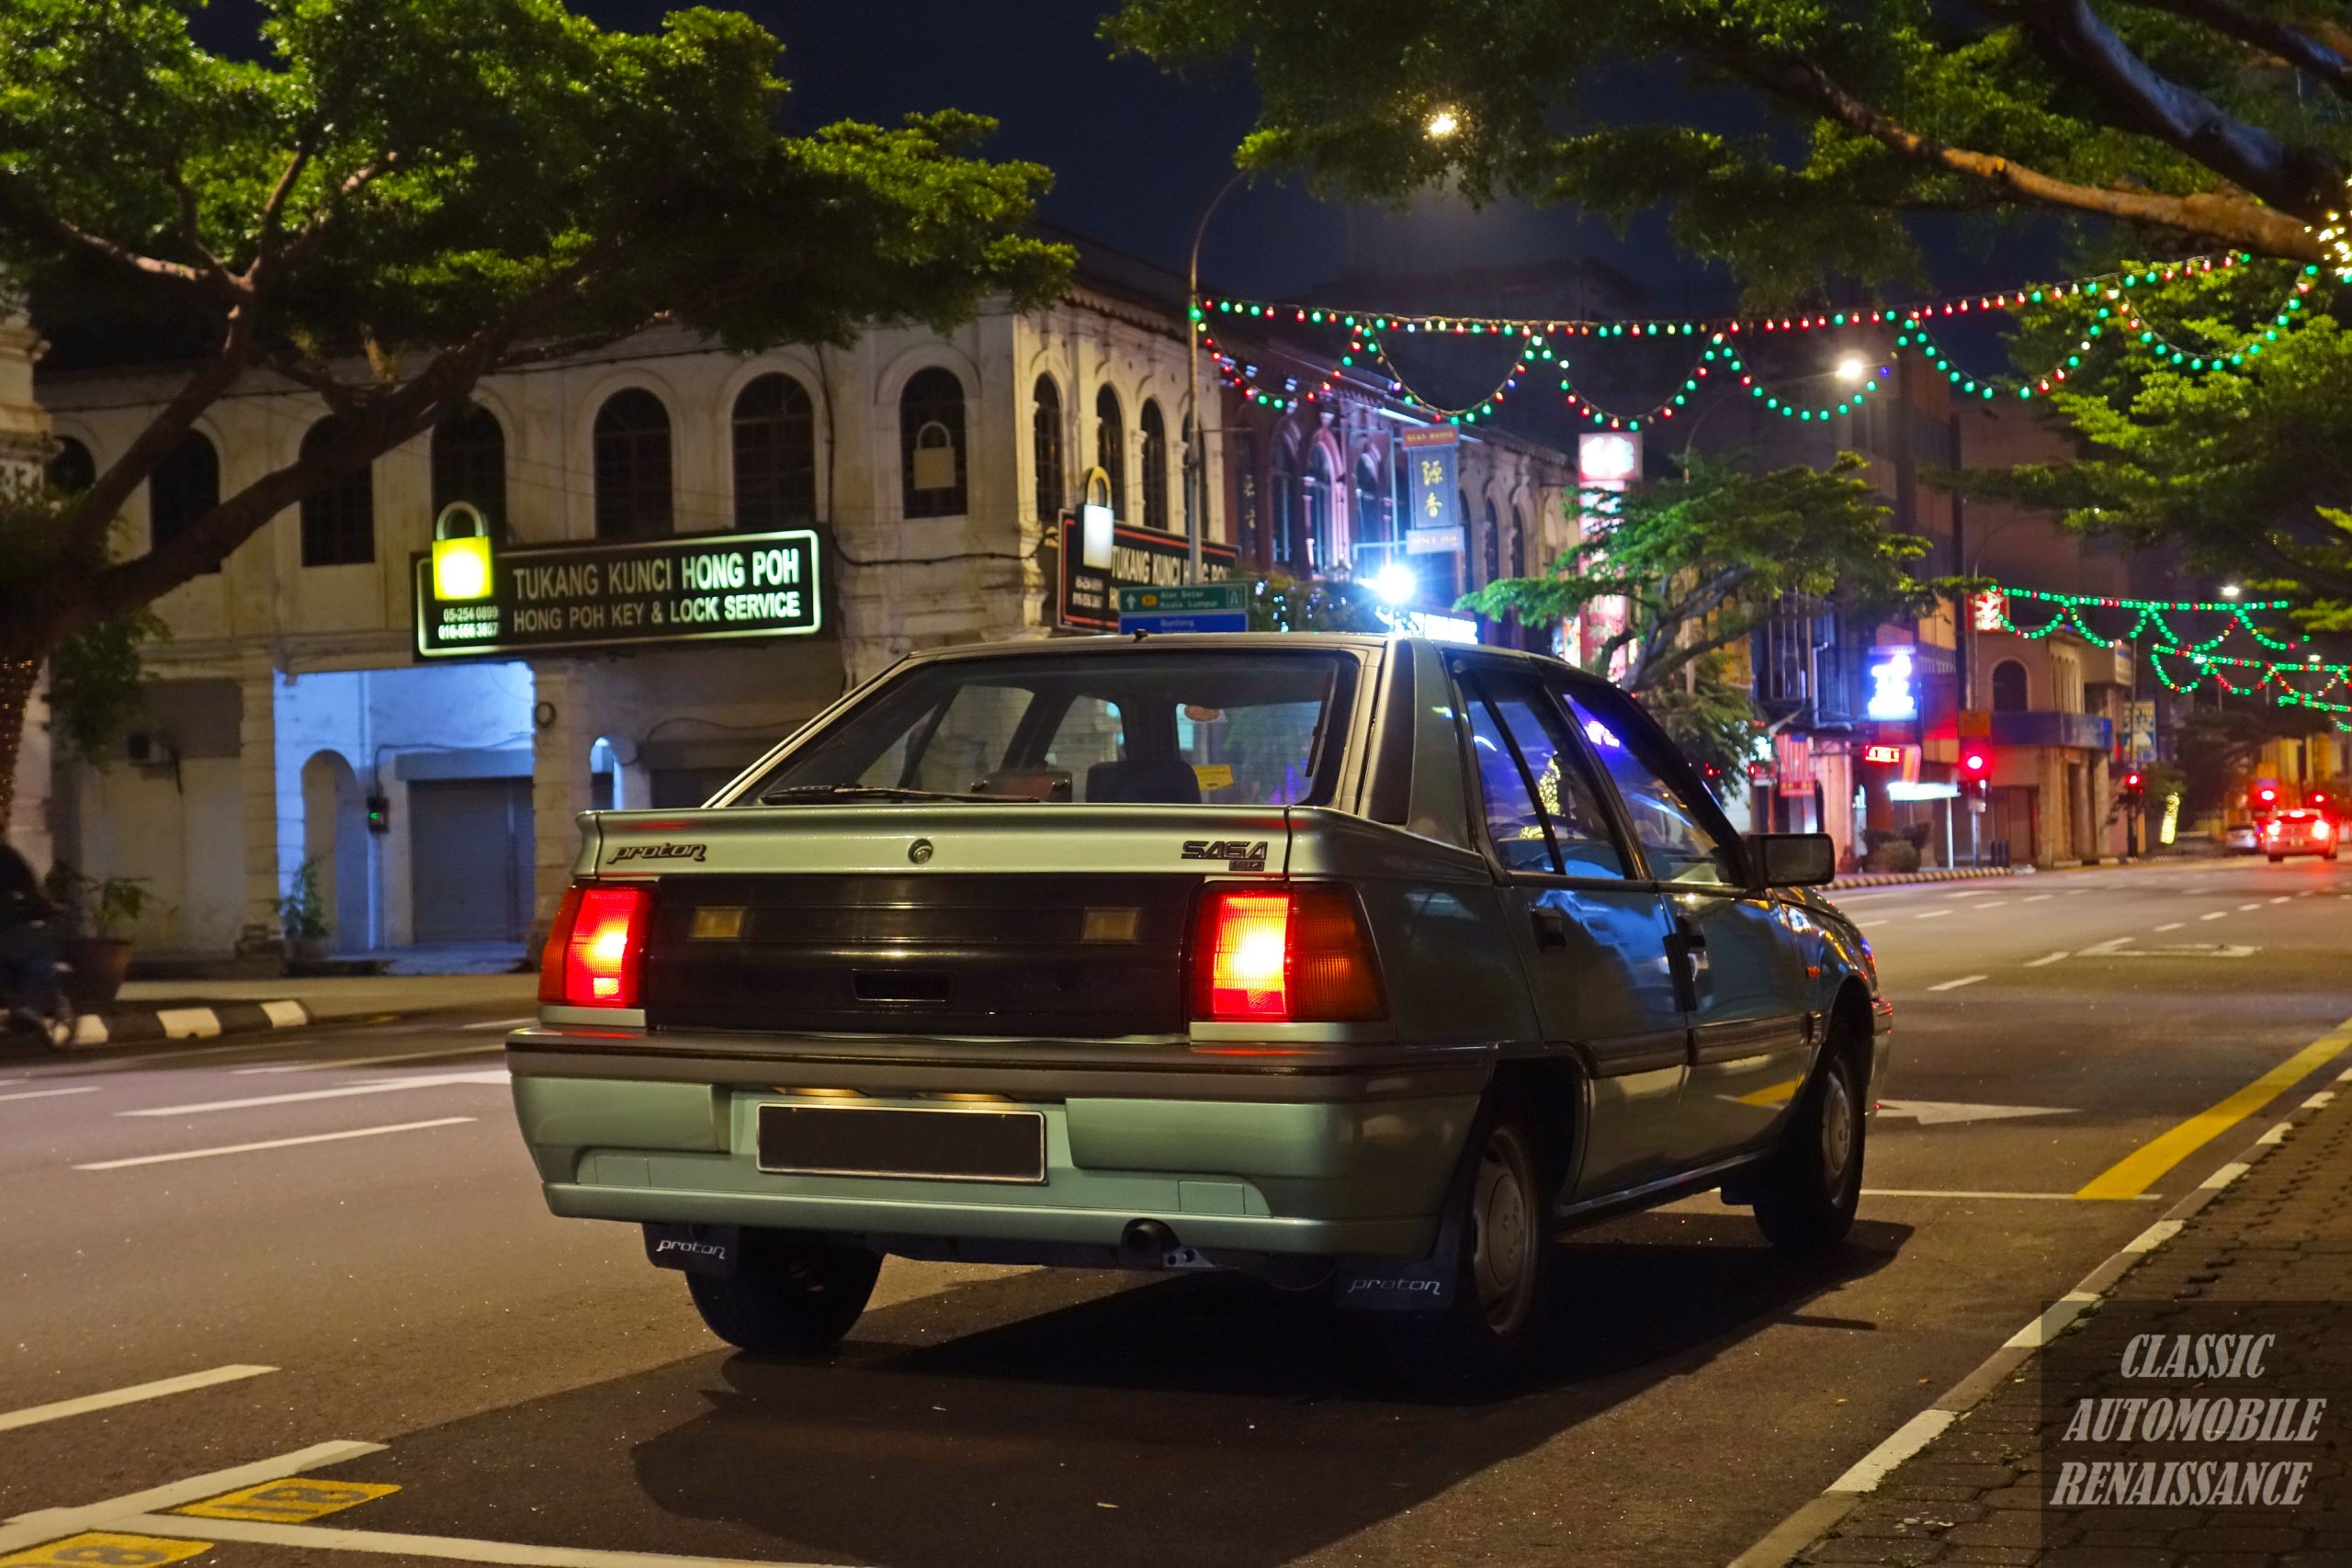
column 2154, row 1236
column 51, row 1093
column 2034, row 897
column 330, row 1064
column 2169, row 926
column 2280, row 899
column 2215, row 916
column 1963, row 980
column 2345, row 1077
column 2243, row 907
column 2045, row 958
column 275, row 1143
column 1966, row 1193
column 449, row 1548
column 2226, row 1175
column 386, row 1086
column 34, row 1415
column 2044, row 1329
column 1973, row 893
column 2307, row 893
column 1936, row 1112
column 1989, row 904
column 2278, row 1133
column 1900, row 1444
column 47, row 1524
column 504, row 1022
column 1931, row 914
column 2320, row 1100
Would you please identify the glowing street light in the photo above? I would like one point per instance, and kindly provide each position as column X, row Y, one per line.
column 1442, row 124
column 1395, row 584
column 2231, row 591
column 1851, row 369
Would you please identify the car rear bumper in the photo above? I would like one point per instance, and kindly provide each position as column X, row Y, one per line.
column 1319, row 1178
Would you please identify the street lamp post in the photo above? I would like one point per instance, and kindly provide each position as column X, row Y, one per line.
column 1197, row 448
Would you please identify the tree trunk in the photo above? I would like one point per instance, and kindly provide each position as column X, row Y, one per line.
column 18, row 677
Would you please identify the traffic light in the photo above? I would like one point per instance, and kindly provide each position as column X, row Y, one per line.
column 379, row 814
column 2317, row 798
column 2132, row 786
column 1975, row 773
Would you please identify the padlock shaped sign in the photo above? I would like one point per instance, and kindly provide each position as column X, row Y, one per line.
column 934, row 457
column 461, row 554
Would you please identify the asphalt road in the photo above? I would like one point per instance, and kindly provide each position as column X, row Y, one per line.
column 533, row 1382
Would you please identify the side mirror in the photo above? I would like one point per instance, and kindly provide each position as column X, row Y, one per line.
column 1791, row 859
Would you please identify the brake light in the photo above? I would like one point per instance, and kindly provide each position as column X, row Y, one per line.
column 1299, row 955
column 595, row 952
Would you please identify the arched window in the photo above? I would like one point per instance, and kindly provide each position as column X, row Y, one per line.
column 775, row 455
column 1282, row 493
column 2009, row 687
column 1315, row 493
column 183, row 487
column 71, row 466
column 1518, row 541
column 470, row 465
column 1493, row 546
column 1368, row 518
column 1046, row 449
column 1111, row 448
column 930, row 445
column 339, row 522
column 632, row 443
column 1154, row 468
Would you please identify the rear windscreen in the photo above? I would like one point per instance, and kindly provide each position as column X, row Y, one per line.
column 1152, row 725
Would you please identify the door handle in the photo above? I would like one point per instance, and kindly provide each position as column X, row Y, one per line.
column 1551, row 927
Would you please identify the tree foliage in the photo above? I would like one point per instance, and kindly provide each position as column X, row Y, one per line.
column 408, row 195
column 1789, row 138
column 1699, row 560
column 1280, row 603
column 2245, row 465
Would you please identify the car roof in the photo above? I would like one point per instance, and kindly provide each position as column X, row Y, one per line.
column 1223, row 642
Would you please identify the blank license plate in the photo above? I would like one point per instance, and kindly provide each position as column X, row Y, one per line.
column 946, row 1145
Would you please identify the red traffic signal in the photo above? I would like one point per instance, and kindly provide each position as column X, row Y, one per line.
column 1976, row 763
column 2131, row 782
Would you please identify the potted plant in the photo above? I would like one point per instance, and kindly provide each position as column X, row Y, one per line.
column 97, row 915
column 302, row 914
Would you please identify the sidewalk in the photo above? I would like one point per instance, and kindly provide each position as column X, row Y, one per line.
column 2022, row 1478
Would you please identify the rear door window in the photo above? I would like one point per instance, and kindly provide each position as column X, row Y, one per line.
column 1544, row 810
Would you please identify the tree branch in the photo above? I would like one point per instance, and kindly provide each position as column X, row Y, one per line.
column 2236, row 220
column 2080, row 42
column 2292, row 45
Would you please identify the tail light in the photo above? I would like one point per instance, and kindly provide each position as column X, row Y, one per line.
column 2322, row 828
column 1284, row 955
column 595, row 952
column 2271, row 829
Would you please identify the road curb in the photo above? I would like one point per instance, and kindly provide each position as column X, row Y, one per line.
column 143, row 1026
column 1781, row 1545
column 1904, row 878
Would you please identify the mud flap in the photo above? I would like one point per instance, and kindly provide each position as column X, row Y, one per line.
column 714, row 1250
column 1386, row 1285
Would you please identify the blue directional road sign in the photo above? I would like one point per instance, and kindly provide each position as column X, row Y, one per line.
column 1200, row 608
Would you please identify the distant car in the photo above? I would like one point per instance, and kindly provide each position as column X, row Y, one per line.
column 1372, row 964
column 2240, row 839
column 2302, row 832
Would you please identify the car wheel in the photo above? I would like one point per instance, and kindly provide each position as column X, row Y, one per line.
column 788, row 1295
column 1487, row 1334
column 1807, row 1198
column 2275, row 859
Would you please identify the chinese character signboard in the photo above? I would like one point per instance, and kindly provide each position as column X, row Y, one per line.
column 689, row 588
column 1432, row 471
column 1096, row 563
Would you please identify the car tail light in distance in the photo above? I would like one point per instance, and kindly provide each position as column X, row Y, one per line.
column 2271, row 829
column 595, row 952
column 2323, row 828
column 1284, row 955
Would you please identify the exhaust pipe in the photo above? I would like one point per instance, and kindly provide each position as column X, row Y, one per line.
column 1146, row 1244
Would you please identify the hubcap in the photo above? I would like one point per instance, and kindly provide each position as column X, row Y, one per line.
column 1502, row 1248
column 1837, row 1131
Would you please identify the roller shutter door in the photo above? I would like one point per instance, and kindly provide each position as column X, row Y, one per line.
column 469, row 856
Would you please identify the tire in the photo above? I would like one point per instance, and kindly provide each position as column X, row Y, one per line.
column 1489, row 1332
column 1806, row 1197
column 789, row 1295
column 2275, row 859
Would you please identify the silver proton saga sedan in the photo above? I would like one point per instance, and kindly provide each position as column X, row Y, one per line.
column 1372, row 964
